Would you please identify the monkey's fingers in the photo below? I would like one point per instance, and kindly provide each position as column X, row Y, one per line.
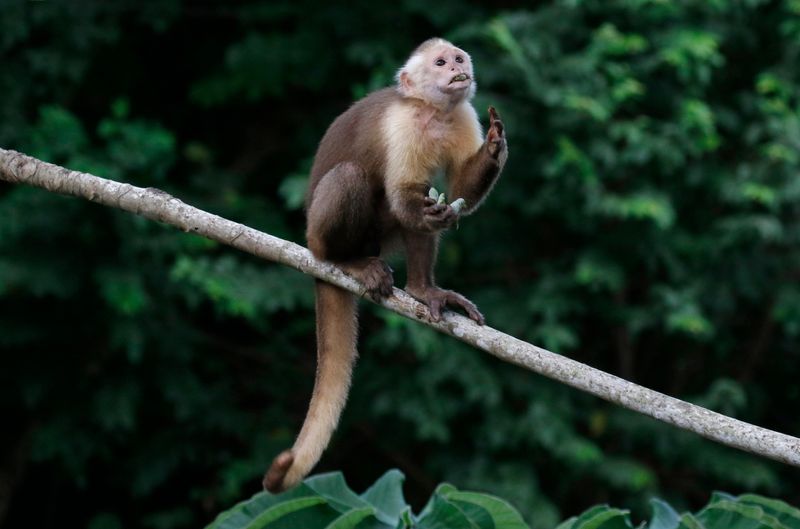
column 435, row 305
column 377, row 278
column 495, row 124
column 498, row 127
column 440, row 216
column 435, row 209
column 496, row 131
column 468, row 307
column 496, row 138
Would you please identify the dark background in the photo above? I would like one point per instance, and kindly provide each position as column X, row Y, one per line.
column 646, row 224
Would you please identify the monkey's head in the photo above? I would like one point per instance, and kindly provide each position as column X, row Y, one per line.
column 437, row 72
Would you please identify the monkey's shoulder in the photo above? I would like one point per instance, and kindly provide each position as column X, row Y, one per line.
column 368, row 110
column 354, row 137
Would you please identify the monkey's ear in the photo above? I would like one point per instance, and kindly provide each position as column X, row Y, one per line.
column 405, row 82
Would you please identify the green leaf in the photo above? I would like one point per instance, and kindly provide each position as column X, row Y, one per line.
column 441, row 514
column 690, row 522
column 731, row 515
column 282, row 509
column 351, row 518
column 785, row 513
column 264, row 508
column 500, row 512
column 664, row 516
column 569, row 523
column 603, row 517
column 406, row 519
column 334, row 489
column 386, row 496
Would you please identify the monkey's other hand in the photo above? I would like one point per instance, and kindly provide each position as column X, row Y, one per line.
column 374, row 274
column 438, row 298
column 496, row 136
column 437, row 216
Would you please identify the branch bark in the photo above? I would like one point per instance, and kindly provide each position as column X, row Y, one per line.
column 157, row 205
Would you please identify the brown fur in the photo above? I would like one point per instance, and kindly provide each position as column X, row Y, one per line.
column 368, row 186
column 336, row 339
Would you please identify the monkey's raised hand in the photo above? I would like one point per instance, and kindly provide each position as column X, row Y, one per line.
column 496, row 136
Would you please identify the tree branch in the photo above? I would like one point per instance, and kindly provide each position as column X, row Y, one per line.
column 158, row 205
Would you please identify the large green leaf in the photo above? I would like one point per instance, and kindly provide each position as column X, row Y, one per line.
column 599, row 517
column 664, row 516
column 782, row 511
column 386, row 496
column 266, row 518
column 264, row 509
column 569, row 523
column 732, row 515
column 501, row 514
column 353, row 518
column 690, row 522
column 334, row 489
column 442, row 514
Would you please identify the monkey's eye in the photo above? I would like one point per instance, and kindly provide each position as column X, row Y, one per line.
column 459, row 59
column 440, row 62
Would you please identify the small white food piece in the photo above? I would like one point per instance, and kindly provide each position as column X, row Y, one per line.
column 458, row 205
column 442, row 199
column 432, row 193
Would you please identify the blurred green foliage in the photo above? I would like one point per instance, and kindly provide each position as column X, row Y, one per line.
column 647, row 223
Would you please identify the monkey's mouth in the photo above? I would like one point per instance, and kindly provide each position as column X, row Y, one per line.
column 458, row 78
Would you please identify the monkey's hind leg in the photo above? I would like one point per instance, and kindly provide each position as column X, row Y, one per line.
column 343, row 227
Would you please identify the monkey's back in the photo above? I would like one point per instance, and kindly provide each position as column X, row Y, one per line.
column 355, row 136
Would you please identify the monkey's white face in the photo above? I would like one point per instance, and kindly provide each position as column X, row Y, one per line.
column 451, row 67
column 441, row 75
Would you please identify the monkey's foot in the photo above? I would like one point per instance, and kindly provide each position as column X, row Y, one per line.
column 374, row 274
column 437, row 299
column 273, row 479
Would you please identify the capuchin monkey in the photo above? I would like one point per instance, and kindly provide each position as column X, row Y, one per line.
column 369, row 189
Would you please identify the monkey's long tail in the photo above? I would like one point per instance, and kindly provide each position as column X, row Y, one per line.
column 337, row 332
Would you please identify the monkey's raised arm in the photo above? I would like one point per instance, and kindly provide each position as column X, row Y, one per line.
column 473, row 179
